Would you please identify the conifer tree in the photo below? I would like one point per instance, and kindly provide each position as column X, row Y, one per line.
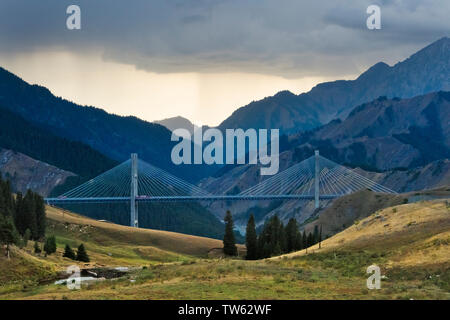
column 68, row 253
column 315, row 235
column 37, row 247
column 299, row 241
column 310, row 239
column 8, row 233
column 304, row 240
column 82, row 254
column 40, row 215
column 26, row 237
column 30, row 214
column 229, row 242
column 291, row 235
column 251, row 239
column 20, row 216
column 50, row 245
column 320, row 237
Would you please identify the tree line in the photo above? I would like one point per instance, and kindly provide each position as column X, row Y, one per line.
column 22, row 218
column 274, row 239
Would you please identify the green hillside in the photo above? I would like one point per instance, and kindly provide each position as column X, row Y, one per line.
column 409, row 242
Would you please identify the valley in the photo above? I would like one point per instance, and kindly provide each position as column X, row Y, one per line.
column 383, row 179
column 410, row 242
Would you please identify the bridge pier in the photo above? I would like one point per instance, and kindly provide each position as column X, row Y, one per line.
column 316, row 179
column 134, row 215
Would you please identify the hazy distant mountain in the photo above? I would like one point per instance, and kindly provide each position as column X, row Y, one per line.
column 176, row 123
column 114, row 136
column 426, row 71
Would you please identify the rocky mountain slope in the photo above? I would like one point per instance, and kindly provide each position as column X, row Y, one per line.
column 385, row 134
column 402, row 144
column 27, row 173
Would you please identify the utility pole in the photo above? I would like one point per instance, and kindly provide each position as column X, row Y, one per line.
column 134, row 191
column 316, row 179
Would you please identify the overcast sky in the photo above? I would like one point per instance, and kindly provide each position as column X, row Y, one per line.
column 202, row 59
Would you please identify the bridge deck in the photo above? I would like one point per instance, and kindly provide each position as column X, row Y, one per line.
column 189, row 198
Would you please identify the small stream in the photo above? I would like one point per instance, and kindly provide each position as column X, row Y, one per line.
column 91, row 275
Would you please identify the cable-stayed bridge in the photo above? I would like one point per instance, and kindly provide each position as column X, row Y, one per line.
column 134, row 181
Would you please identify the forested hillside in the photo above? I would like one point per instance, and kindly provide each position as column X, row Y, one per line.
column 20, row 135
column 22, row 217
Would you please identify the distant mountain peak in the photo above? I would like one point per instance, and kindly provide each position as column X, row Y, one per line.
column 176, row 123
column 285, row 93
column 378, row 69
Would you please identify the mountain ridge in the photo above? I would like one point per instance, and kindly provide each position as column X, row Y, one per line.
column 112, row 135
column 425, row 71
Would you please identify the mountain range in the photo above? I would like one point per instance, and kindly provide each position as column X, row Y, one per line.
column 114, row 136
column 392, row 123
column 403, row 144
column 385, row 134
column 426, row 71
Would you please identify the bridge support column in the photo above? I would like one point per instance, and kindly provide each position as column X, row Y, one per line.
column 134, row 191
column 316, row 179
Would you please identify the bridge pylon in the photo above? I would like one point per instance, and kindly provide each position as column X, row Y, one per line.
column 134, row 215
column 316, row 179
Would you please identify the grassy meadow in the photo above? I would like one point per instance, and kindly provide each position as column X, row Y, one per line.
column 409, row 242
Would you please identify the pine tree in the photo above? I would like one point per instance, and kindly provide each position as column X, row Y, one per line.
column 275, row 235
column 26, row 237
column 229, row 242
column 37, row 247
column 8, row 233
column 310, row 239
column 304, row 240
column 68, row 253
column 30, row 214
column 40, row 215
column 50, row 245
column 298, row 241
column 251, row 239
column 20, row 216
column 320, row 237
column 291, row 235
column 82, row 254
column 315, row 235
column 6, row 199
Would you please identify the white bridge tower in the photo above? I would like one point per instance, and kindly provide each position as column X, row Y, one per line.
column 134, row 215
column 316, row 179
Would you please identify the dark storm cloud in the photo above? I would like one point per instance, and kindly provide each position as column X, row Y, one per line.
column 290, row 38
